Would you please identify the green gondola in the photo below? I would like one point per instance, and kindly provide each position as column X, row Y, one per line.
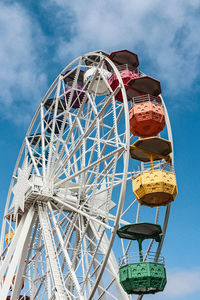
column 144, row 277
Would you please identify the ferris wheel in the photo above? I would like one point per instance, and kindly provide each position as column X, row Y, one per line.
column 94, row 142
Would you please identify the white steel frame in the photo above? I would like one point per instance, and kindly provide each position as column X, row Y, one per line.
column 64, row 246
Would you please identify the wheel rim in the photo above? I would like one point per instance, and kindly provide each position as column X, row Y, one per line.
column 73, row 174
column 72, row 163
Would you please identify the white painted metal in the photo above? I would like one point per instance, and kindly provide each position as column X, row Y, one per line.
column 77, row 187
column 18, row 253
column 58, row 281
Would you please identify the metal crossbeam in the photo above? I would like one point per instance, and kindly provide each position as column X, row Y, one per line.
column 60, row 293
column 22, row 243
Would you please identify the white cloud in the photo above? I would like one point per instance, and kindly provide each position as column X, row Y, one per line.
column 166, row 33
column 181, row 284
column 22, row 81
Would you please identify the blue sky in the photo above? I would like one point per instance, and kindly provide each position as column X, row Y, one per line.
column 38, row 38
